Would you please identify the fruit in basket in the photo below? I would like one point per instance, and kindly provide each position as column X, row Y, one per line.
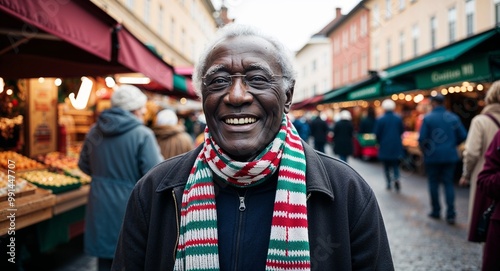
column 59, row 160
column 19, row 161
column 47, row 179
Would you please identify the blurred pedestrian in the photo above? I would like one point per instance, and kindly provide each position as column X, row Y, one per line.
column 319, row 132
column 343, row 133
column 116, row 153
column 440, row 134
column 367, row 124
column 302, row 127
column 171, row 136
column 488, row 186
column 482, row 129
column 388, row 130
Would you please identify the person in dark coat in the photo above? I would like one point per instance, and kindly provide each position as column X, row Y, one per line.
column 367, row 124
column 319, row 131
column 253, row 196
column 118, row 150
column 440, row 134
column 388, row 130
column 488, row 185
column 343, row 133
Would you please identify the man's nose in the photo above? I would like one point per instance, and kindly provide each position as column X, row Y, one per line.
column 238, row 93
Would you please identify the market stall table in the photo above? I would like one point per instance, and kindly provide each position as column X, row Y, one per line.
column 28, row 210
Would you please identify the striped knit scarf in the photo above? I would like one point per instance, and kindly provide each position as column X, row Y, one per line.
column 289, row 242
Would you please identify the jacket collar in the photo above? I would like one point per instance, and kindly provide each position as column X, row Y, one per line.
column 317, row 179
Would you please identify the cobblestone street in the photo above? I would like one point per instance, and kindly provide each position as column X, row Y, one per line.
column 418, row 242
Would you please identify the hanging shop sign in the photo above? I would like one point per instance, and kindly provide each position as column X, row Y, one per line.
column 470, row 69
column 367, row 92
column 42, row 104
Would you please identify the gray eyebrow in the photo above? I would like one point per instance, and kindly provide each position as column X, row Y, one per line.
column 213, row 70
column 254, row 66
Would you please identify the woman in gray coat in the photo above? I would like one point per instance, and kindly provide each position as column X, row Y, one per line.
column 117, row 152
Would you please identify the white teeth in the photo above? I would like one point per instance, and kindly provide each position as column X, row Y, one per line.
column 240, row 121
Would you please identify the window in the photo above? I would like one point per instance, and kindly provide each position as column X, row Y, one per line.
column 376, row 15
column 401, row 46
column 388, row 9
column 452, row 24
column 497, row 12
column 172, row 32
column 336, row 45
column 147, row 9
column 313, row 66
column 389, row 50
column 376, row 57
column 402, row 4
column 415, row 33
column 353, row 33
column 354, row 67
column 469, row 16
column 433, row 32
column 345, row 39
column 364, row 63
column 130, row 4
column 160, row 20
column 345, row 75
column 314, row 89
column 363, row 28
column 183, row 40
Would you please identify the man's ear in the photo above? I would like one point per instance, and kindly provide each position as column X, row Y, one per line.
column 289, row 96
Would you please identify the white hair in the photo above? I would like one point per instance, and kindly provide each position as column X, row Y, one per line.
column 388, row 105
column 345, row 115
column 232, row 30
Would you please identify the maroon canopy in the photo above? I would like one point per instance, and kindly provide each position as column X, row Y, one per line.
column 70, row 38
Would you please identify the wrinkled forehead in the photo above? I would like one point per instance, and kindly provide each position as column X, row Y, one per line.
column 241, row 54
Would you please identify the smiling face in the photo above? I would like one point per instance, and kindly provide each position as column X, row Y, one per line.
column 244, row 119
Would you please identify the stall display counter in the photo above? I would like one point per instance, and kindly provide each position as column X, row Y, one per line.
column 28, row 210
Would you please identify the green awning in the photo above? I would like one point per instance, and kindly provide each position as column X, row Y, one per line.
column 367, row 92
column 336, row 95
column 440, row 56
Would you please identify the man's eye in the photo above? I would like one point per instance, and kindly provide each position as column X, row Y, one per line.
column 257, row 79
column 219, row 80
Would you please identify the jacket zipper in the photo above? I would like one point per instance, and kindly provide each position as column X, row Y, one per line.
column 177, row 222
column 242, row 207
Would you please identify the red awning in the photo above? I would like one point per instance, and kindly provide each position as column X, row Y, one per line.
column 71, row 38
column 55, row 38
column 135, row 55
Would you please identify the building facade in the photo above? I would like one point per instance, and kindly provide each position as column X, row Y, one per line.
column 176, row 29
column 314, row 68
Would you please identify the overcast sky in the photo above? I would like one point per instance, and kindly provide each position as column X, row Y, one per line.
column 291, row 21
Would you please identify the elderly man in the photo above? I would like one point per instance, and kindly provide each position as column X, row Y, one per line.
column 253, row 196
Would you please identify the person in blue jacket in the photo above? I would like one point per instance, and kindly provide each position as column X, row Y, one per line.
column 118, row 150
column 440, row 134
column 388, row 130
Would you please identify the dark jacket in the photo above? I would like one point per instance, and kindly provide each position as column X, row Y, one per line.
column 346, row 229
column 319, row 130
column 488, row 185
column 343, row 133
column 440, row 134
column 388, row 130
